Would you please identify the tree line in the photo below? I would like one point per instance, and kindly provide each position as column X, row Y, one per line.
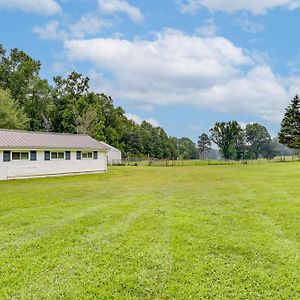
column 69, row 106
column 254, row 141
column 235, row 143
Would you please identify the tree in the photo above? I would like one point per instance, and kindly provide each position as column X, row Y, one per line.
column 187, row 149
column 70, row 101
column 18, row 73
column 147, row 138
column 204, row 144
column 241, row 146
column 258, row 141
column 289, row 134
column 226, row 136
column 11, row 116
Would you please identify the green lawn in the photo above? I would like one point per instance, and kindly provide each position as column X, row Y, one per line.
column 209, row 232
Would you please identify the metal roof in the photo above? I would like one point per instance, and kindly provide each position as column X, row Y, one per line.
column 17, row 139
column 111, row 148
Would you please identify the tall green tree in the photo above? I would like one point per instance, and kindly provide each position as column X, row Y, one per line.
column 147, row 139
column 289, row 133
column 69, row 96
column 203, row 144
column 11, row 116
column 226, row 136
column 258, row 141
column 19, row 74
column 187, row 149
column 241, row 146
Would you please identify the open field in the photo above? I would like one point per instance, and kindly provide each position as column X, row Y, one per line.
column 209, row 232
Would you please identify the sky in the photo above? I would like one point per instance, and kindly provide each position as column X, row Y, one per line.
column 179, row 64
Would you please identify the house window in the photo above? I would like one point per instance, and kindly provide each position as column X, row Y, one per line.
column 87, row 155
column 78, row 155
column 20, row 156
column 47, row 155
column 57, row 155
column 68, row 155
column 6, row 155
column 32, row 155
column 95, row 154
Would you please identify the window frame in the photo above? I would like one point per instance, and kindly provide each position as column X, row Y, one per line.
column 57, row 155
column 95, row 155
column 20, row 155
column 47, row 155
column 68, row 155
column 6, row 156
column 78, row 155
column 89, row 155
column 33, row 155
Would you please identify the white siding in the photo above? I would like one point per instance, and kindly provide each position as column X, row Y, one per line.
column 22, row 168
column 114, row 156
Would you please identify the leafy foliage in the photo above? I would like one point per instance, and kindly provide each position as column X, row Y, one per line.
column 290, row 127
column 250, row 143
column 226, row 136
column 204, row 144
column 258, row 140
column 11, row 116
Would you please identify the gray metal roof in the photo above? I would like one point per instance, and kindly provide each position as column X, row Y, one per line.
column 111, row 148
column 17, row 139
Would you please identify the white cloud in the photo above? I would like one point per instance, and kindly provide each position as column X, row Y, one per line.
column 153, row 122
column 209, row 28
column 138, row 120
column 88, row 25
column 135, row 118
column 244, row 124
column 177, row 69
column 248, row 25
column 50, row 31
column 121, row 6
column 43, row 7
column 255, row 7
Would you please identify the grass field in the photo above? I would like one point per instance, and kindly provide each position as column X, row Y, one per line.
column 209, row 232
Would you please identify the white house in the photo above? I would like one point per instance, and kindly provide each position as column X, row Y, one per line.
column 34, row 154
column 114, row 155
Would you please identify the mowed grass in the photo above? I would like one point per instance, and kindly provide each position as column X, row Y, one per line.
column 210, row 232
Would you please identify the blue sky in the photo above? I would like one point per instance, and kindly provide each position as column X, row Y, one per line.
column 182, row 64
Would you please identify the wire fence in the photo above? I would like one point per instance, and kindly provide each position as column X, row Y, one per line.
column 198, row 162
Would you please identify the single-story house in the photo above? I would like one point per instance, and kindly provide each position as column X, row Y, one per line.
column 37, row 154
column 114, row 155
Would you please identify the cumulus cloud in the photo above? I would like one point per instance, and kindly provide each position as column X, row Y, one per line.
column 43, row 7
column 178, row 69
column 138, row 120
column 255, row 7
column 88, row 25
column 121, row 6
column 50, row 31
